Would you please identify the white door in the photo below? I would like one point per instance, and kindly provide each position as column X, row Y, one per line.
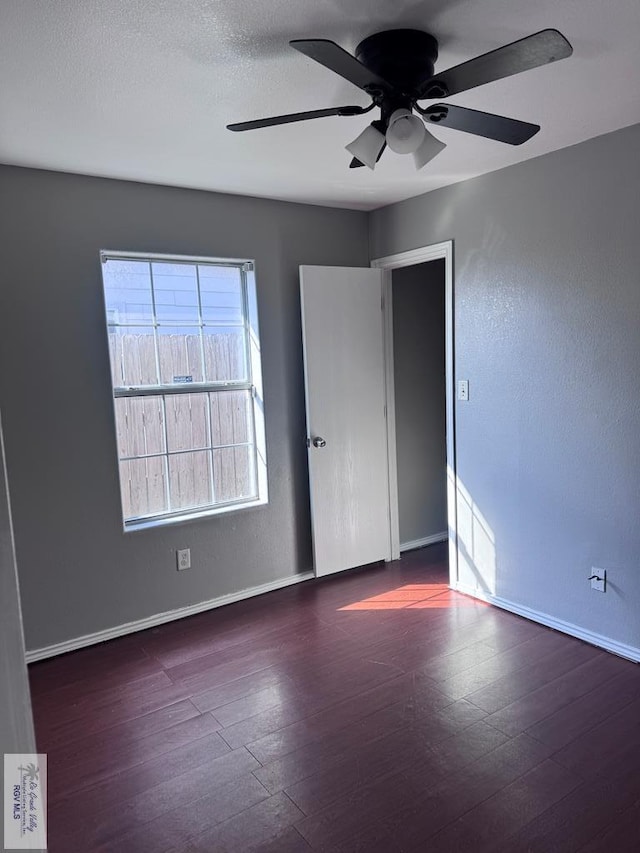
column 346, row 430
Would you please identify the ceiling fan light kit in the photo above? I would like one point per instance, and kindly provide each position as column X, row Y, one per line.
column 405, row 132
column 368, row 146
column 396, row 69
column 429, row 148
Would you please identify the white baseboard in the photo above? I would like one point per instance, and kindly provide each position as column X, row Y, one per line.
column 621, row 649
column 421, row 543
column 161, row 618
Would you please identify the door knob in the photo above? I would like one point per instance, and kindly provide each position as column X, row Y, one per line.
column 319, row 442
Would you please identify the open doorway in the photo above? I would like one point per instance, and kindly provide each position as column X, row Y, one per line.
column 429, row 268
column 418, row 309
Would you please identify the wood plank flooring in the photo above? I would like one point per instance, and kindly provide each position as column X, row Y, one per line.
column 375, row 711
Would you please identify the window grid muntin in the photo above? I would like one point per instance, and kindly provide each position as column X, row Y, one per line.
column 212, row 489
column 167, row 482
column 204, row 449
column 205, row 387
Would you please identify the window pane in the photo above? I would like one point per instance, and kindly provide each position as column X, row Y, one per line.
column 231, row 417
column 143, row 487
column 190, row 479
column 180, row 354
column 221, row 295
column 233, row 475
column 139, row 426
column 187, row 427
column 127, row 288
column 133, row 355
column 175, row 289
column 224, row 353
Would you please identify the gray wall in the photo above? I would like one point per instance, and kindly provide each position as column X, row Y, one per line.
column 547, row 330
column 547, row 305
column 79, row 572
column 419, row 379
column 16, row 726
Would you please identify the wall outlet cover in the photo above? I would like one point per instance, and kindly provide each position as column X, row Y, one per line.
column 183, row 558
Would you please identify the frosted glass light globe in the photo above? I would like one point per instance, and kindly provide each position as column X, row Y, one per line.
column 367, row 146
column 405, row 132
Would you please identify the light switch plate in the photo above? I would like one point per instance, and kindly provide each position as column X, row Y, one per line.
column 463, row 389
column 598, row 579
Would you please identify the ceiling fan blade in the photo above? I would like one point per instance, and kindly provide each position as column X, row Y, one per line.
column 491, row 126
column 286, row 119
column 332, row 56
column 522, row 55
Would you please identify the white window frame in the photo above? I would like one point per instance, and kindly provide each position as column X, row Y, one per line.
column 253, row 383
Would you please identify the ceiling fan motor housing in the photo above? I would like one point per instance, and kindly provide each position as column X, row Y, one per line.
column 403, row 57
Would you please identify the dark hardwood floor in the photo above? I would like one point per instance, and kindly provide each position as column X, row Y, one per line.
column 376, row 711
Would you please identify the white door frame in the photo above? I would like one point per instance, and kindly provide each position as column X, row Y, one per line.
column 434, row 252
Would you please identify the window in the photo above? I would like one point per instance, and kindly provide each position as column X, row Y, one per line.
column 185, row 365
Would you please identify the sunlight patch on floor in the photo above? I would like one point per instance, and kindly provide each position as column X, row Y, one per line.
column 415, row 596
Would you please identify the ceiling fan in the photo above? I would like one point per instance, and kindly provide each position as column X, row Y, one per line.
column 396, row 69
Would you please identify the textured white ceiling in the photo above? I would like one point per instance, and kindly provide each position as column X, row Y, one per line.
column 142, row 89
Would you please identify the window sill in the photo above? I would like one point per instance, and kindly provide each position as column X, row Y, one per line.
column 196, row 515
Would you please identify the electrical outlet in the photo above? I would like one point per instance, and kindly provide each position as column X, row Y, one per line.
column 463, row 389
column 598, row 579
column 184, row 559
